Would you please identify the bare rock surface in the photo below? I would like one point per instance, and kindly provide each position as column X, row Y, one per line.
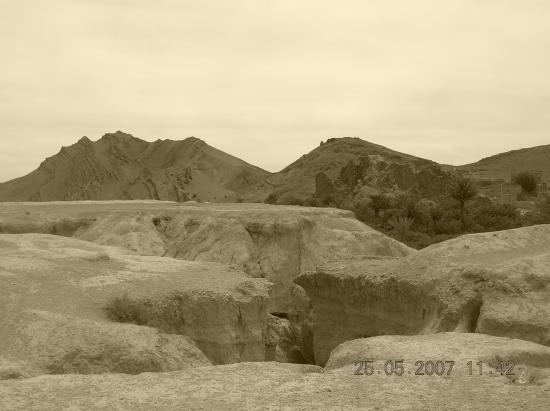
column 275, row 242
column 263, row 386
column 530, row 359
column 53, row 291
column 493, row 283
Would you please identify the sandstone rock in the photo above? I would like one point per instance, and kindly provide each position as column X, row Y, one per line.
column 275, row 242
column 53, row 291
column 61, row 344
column 447, row 346
column 268, row 386
column 493, row 283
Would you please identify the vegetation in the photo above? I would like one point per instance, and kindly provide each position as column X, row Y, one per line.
column 527, row 181
column 271, row 199
column 126, row 310
column 463, row 190
column 166, row 315
column 379, row 203
column 418, row 221
column 401, row 226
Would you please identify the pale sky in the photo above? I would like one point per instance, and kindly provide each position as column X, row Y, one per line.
column 267, row 80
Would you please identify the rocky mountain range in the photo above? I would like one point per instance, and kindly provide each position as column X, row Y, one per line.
column 121, row 166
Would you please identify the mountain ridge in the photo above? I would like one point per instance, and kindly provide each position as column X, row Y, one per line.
column 121, row 166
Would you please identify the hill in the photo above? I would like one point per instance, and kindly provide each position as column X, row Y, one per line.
column 120, row 166
column 536, row 159
column 353, row 165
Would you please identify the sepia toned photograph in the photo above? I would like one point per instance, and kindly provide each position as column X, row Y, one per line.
column 274, row 205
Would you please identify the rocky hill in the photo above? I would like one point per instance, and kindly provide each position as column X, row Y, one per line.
column 120, row 166
column 351, row 166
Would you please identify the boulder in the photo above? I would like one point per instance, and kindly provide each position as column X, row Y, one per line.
column 523, row 360
column 58, row 297
column 52, row 343
column 492, row 283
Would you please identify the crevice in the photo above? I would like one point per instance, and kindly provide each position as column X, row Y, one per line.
column 473, row 316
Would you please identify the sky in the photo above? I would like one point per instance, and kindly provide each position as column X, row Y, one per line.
column 266, row 80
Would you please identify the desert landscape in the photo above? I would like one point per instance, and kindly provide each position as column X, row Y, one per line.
column 164, row 305
column 285, row 205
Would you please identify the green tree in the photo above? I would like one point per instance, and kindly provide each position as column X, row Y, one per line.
column 463, row 190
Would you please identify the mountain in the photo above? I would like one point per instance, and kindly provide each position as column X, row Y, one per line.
column 351, row 164
column 535, row 159
column 120, row 166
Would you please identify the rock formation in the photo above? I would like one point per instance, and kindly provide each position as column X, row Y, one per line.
column 493, row 283
column 458, row 347
column 277, row 243
column 263, row 386
column 58, row 297
column 344, row 166
column 274, row 242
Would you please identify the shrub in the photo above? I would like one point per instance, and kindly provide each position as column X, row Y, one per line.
column 166, row 315
column 401, row 226
column 379, row 203
column 447, row 226
column 271, row 199
column 527, row 181
column 488, row 216
column 364, row 212
column 126, row 310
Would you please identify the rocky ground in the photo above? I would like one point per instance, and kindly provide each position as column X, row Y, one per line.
column 270, row 385
column 157, row 305
column 493, row 283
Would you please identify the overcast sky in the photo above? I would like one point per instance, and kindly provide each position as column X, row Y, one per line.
column 267, row 80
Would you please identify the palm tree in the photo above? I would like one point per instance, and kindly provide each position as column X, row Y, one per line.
column 462, row 191
column 401, row 226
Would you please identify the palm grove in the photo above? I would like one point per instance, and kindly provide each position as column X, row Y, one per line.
column 419, row 221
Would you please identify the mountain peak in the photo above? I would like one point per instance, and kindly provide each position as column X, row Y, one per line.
column 121, row 166
column 119, row 135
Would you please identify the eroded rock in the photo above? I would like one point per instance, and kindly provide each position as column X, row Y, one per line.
column 268, row 386
column 493, row 283
column 54, row 290
column 519, row 357
column 275, row 242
